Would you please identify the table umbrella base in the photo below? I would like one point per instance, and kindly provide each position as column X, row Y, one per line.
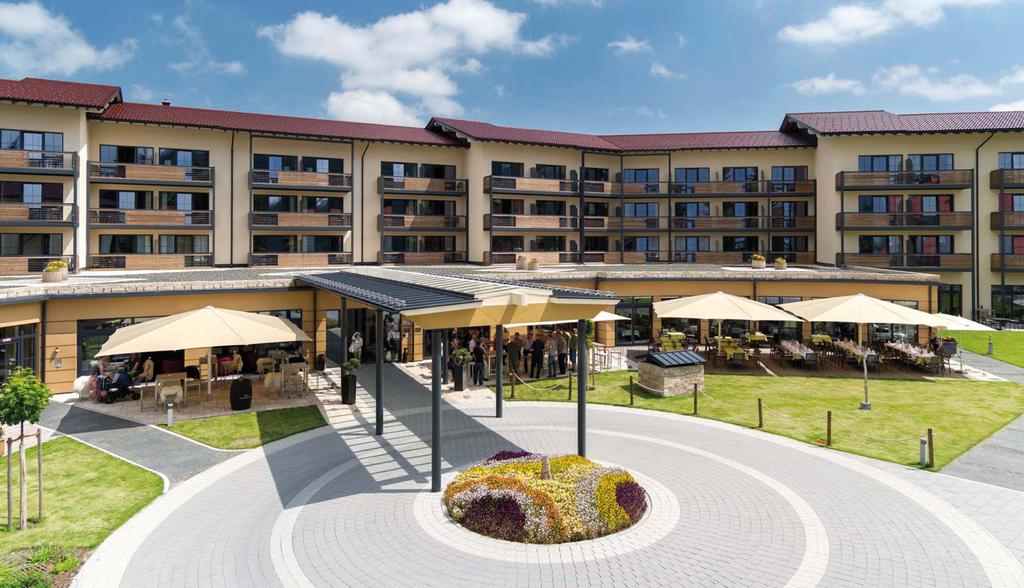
column 865, row 406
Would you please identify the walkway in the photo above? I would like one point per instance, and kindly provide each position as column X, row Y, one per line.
column 999, row 459
column 173, row 457
column 339, row 507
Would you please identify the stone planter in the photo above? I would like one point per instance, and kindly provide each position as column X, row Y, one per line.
column 520, row 263
column 459, row 378
column 58, row 276
column 533, row 264
column 780, row 265
column 757, row 263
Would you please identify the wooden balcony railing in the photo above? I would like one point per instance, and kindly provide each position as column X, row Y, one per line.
column 959, row 179
column 403, row 185
column 917, row 220
column 258, row 219
column 938, row 261
column 1008, row 220
column 421, row 221
column 626, row 188
column 542, row 257
column 629, row 223
column 421, row 257
column 297, row 180
column 752, row 187
column 11, row 265
column 37, row 214
column 1013, row 262
column 146, row 261
column 504, row 184
column 139, row 173
column 38, row 162
column 761, row 223
column 300, row 259
column 137, row 217
column 1006, row 178
column 525, row 221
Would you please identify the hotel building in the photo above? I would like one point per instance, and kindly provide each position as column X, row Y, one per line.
column 845, row 197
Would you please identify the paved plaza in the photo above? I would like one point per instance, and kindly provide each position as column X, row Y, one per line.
column 338, row 506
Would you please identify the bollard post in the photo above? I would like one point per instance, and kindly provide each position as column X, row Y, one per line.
column 170, row 415
column 570, row 385
column 931, row 449
column 760, row 414
column 39, row 468
column 828, row 430
column 10, row 504
column 513, row 385
column 631, row 390
column 695, row 399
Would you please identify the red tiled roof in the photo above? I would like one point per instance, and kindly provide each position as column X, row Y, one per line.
column 483, row 131
column 268, row 123
column 721, row 140
column 58, row 92
column 880, row 121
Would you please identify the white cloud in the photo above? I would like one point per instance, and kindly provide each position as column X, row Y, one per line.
column 1013, row 78
column 196, row 52
column 643, row 111
column 140, row 93
column 35, row 41
column 912, row 80
column 401, row 67
column 852, row 22
column 830, row 84
column 594, row 3
column 630, row 45
column 499, row 90
column 1015, row 105
column 661, row 71
column 681, row 40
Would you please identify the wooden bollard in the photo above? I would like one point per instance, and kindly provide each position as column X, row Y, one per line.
column 828, row 430
column 631, row 390
column 695, row 399
column 760, row 414
column 931, row 449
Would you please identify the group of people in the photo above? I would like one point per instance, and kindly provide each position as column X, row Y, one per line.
column 529, row 355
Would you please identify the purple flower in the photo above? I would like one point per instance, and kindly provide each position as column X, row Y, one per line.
column 496, row 516
column 630, row 496
column 506, row 455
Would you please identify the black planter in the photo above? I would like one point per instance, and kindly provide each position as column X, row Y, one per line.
column 459, row 376
column 348, row 389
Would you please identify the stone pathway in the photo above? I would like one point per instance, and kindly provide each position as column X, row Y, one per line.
column 341, row 507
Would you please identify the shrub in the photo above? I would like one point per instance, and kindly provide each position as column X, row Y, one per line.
column 757, row 257
column 56, row 266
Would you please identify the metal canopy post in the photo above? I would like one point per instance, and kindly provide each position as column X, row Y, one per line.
column 581, row 387
column 435, row 411
column 342, row 326
column 499, row 370
column 444, row 358
column 379, row 401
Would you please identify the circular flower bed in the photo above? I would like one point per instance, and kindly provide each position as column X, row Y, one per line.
column 505, row 498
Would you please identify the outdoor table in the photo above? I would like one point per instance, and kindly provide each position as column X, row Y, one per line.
column 797, row 350
column 757, row 337
column 821, row 339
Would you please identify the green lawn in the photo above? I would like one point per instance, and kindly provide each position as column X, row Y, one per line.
column 961, row 413
column 246, row 430
column 87, row 494
column 1008, row 345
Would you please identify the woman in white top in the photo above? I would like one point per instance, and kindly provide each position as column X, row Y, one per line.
column 356, row 348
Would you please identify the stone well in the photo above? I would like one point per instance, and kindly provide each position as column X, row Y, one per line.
column 671, row 373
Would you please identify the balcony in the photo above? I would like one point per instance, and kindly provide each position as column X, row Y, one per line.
column 626, row 189
column 1006, row 220
column 629, row 223
column 702, row 257
column 749, row 188
column 421, row 257
column 512, row 222
column 899, row 220
column 431, row 186
column 200, row 219
column 30, row 264
column 1013, row 262
column 260, row 220
column 150, row 174
column 1006, row 178
column 733, row 223
column 542, row 257
column 47, row 163
column 299, row 259
column 297, row 180
column 538, row 186
column 952, row 262
column 42, row 215
column 957, row 179
column 150, row 261
column 422, row 222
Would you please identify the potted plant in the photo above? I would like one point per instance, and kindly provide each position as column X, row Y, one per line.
column 461, row 357
column 348, row 381
column 533, row 264
column 55, row 271
column 520, row 262
column 757, row 261
column 780, row 263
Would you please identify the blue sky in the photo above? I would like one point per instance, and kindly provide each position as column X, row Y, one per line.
column 609, row 66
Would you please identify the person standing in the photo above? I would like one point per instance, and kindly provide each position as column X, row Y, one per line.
column 355, row 349
column 562, row 343
column 514, row 350
column 551, row 349
column 479, row 357
column 572, row 348
column 536, row 355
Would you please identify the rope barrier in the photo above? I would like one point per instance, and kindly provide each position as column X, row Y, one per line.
column 528, row 385
column 871, row 438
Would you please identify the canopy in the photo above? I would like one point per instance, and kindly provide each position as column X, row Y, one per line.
column 959, row 323
column 200, row 329
column 720, row 306
column 860, row 309
column 602, row 316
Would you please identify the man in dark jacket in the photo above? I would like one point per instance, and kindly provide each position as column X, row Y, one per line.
column 536, row 356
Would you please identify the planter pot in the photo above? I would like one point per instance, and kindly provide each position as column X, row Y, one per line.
column 780, row 266
column 533, row 264
column 55, row 276
column 459, row 378
column 520, row 263
column 348, row 389
column 757, row 263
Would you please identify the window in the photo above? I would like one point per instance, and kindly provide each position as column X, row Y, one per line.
column 595, row 174
column 640, row 176
column 93, row 333
column 1008, row 302
column 640, row 209
column 323, row 165
column 507, row 206
column 184, row 157
column 595, row 243
column 399, row 244
column 951, row 299
column 787, row 208
column 880, row 244
column 595, row 209
column 693, row 209
column 275, row 162
column 506, row 243
column 438, row 243
column 321, row 244
column 550, row 172
column 17, row 348
column 31, row 193
column 399, row 206
column 739, row 209
column 323, row 204
column 126, row 244
column 30, row 244
column 123, row 154
column 745, row 244
column 548, row 243
column 879, row 163
column 692, row 175
column 184, row 201
column 641, row 244
column 930, row 244
column 879, row 204
column 693, row 244
column 789, row 244
column 436, row 208
column 739, row 174
column 126, row 199
column 639, row 328
column 785, row 177
column 436, row 171
column 930, row 162
column 1012, row 245
column 780, row 329
column 550, row 208
column 31, row 140
column 928, row 205
column 1011, row 160
column 184, row 244
column 504, row 168
column 1012, row 203
column 398, row 170
column 294, row 315
column 274, row 244
column 268, row 203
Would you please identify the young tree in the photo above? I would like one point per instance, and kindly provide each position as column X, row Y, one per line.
column 23, row 396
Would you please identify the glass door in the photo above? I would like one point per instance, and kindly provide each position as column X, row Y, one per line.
column 637, row 330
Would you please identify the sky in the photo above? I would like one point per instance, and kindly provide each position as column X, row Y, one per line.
column 598, row 66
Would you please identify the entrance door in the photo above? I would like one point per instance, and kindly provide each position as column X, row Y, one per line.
column 637, row 330
column 17, row 348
